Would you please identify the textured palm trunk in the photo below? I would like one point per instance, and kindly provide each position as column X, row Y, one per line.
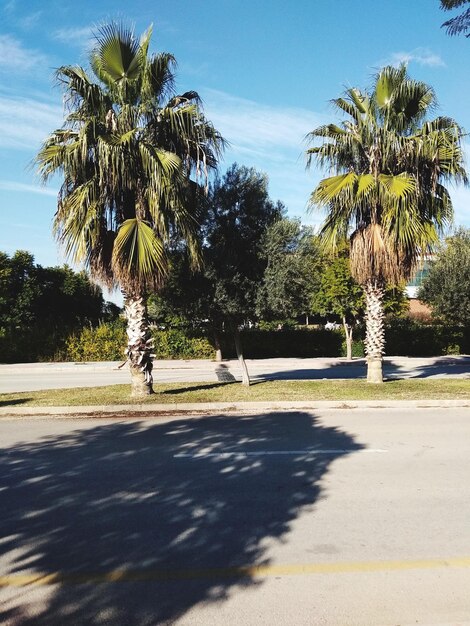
column 139, row 345
column 375, row 335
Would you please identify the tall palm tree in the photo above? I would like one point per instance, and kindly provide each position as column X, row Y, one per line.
column 460, row 23
column 131, row 154
column 387, row 190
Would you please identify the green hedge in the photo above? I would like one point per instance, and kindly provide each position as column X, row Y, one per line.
column 175, row 343
column 106, row 342
column 30, row 345
column 407, row 337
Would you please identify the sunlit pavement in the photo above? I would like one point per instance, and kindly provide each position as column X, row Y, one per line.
column 36, row 376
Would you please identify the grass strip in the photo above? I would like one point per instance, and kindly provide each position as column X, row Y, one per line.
column 423, row 389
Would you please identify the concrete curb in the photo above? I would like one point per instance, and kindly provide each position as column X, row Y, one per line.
column 158, row 410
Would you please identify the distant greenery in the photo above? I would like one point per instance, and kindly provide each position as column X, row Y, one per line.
column 446, row 288
column 40, row 306
column 293, row 265
column 407, row 337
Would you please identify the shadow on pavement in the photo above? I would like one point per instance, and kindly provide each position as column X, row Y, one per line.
column 185, row 388
column 11, row 402
column 357, row 370
column 184, row 496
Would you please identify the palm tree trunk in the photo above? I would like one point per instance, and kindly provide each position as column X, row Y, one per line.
column 139, row 345
column 375, row 335
column 241, row 359
column 348, row 334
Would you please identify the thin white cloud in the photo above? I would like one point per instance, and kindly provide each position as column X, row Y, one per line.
column 30, row 20
column 14, row 57
column 251, row 126
column 421, row 56
column 10, row 185
column 269, row 138
column 80, row 36
column 10, row 6
column 25, row 122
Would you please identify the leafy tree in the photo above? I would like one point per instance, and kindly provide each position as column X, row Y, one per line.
column 291, row 277
column 43, row 303
column 237, row 212
column 130, row 152
column 460, row 23
column 339, row 294
column 387, row 191
column 446, row 288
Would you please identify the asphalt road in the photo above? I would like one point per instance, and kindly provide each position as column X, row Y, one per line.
column 352, row 517
column 36, row 376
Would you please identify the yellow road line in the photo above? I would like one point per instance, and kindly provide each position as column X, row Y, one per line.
column 252, row 571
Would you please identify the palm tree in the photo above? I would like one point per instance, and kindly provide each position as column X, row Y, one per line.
column 387, row 190
column 460, row 23
column 131, row 154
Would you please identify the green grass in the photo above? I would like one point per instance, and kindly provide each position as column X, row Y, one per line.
column 426, row 389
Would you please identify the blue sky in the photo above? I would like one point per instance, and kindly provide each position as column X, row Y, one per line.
column 266, row 71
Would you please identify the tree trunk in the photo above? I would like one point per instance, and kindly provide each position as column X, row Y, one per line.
column 238, row 348
column 139, row 345
column 375, row 335
column 217, row 346
column 348, row 334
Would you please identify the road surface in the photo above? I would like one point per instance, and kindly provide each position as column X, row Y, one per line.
column 344, row 518
column 36, row 376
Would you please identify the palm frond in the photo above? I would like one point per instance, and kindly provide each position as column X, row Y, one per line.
column 139, row 257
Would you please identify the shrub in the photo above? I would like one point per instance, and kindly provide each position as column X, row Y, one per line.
column 175, row 343
column 105, row 342
column 407, row 337
column 28, row 345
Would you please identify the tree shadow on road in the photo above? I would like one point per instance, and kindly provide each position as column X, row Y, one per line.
column 14, row 401
column 175, row 500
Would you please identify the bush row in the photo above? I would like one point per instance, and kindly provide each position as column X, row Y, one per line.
column 107, row 341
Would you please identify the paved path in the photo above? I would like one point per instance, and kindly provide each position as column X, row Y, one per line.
column 343, row 518
column 35, row 376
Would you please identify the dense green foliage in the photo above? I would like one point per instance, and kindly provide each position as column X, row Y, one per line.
column 235, row 216
column 293, row 263
column 406, row 337
column 338, row 293
column 446, row 288
column 104, row 343
column 40, row 306
column 100, row 343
